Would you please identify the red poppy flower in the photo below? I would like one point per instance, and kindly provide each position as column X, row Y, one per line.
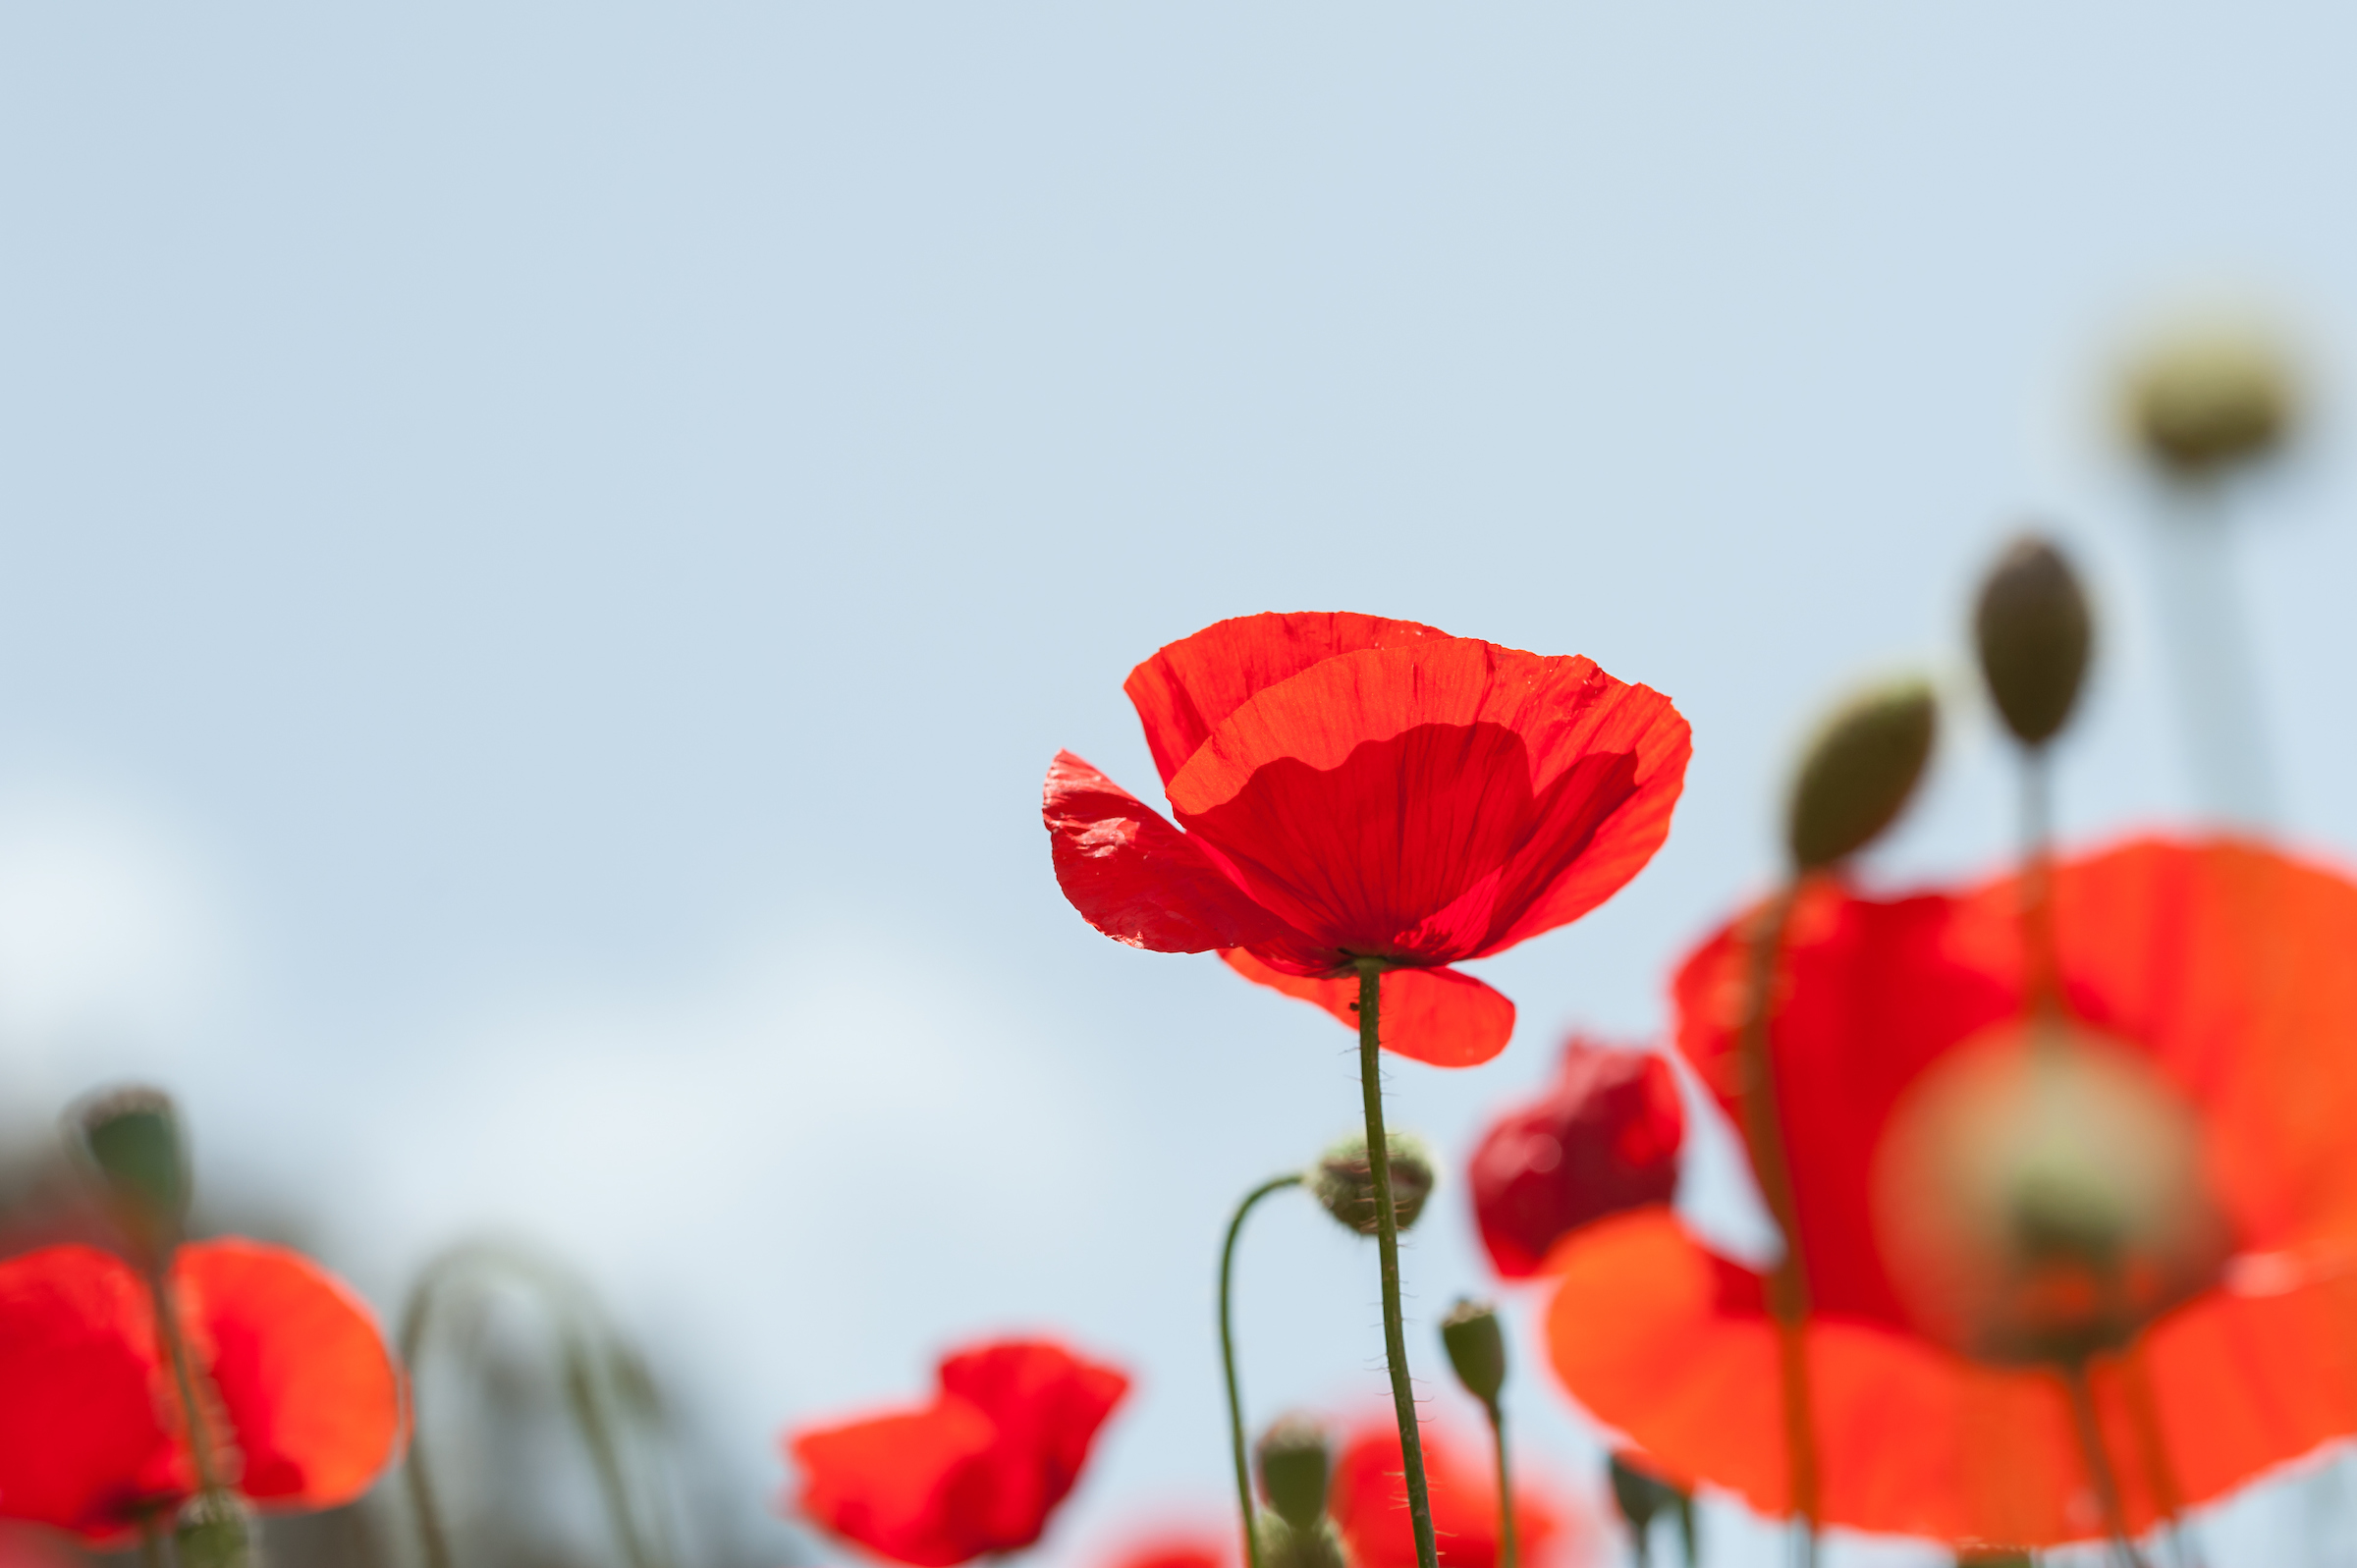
column 1603, row 1138
column 1368, row 1503
column 1352, row 786
column 976, row 1470
column 91, row 1438
column 2223, row 965
column 1178, row 1550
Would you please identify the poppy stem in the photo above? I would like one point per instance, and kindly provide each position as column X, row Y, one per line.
column 1387, row 1243
column 1788, row 1283
column 1510, row 1547
column 184, row 1376
column 2042, row 962
column 2099, row 1462
column 151, row 1542
column 1236, row 1398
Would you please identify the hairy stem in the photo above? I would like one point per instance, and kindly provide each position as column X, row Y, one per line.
column 1387, row 1242
column 1236, row 1398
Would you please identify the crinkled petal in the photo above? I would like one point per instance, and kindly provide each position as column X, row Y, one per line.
column 1183, row 691
column 315, row 1403
column 1436, row 801
column 1139, row 880
column 1443, row 1017
column 888, row 1482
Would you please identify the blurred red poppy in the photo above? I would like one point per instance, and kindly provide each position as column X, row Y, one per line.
column 1368, row 1503
column 2227, row 968
column 1178, row 1550
column 1352, row 786
column 978, row 1470
column 307, row 1396
column 1604, row 1137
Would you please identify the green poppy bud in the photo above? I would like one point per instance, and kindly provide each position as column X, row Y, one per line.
column 2034, row 632
column 128, row 1140
column 1296, row 1461
column 214, row 1531
column 1859, row 772
column 1642, row 1497
column 2211, row 398
column 1344, row 1181
column 1476, row 1348
column 1287, row 1545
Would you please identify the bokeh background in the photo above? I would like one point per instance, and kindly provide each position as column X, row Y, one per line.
column 544, row 550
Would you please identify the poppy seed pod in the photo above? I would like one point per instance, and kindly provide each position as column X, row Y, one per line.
column 214, row 1531
column 1296, row 1461
column 1859, row 772
column 1344, row 1181
column 2033, row 630
column 1476, row 1348
column 2040, row 1196
column 2207, row 400
column 128, row 1140
column 1284, row 1544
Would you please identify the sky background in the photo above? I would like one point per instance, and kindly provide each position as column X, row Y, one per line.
column 544, row 552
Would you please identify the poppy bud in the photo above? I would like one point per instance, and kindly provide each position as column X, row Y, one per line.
column 1344, row 1181
column 1283, row 1545
column 214, row 1531
column 2209, row 398
column 130, row 1141
column 1642, row 1497
column 1296, row 1460
column 2039, row 1196
column 1476, row 1348
column 1859, row 770
column 2034, row 629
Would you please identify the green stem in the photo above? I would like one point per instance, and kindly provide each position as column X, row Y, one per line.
column 151, row 1542
column 1387, row 1241
column 2099, row 1462
column 183, row 1374
column 1510, row 1547
column 1236, row 1398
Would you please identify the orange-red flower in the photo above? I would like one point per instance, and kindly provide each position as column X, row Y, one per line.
column 1356, row 788
column 2230, row 969
column 1603, row 1138
column 978, row 1470
column 308, row 1402
column 1368, row 1502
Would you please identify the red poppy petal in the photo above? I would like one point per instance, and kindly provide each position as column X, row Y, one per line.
column 1368, row 1501
column 884, row 1481
column 315, row 1400
column 1137, row 879
column 1441, row 1017
column 1604, row 1138
column 1436, row 801
column 1183, row 691
column 1048, row 1405
column 85, row 1434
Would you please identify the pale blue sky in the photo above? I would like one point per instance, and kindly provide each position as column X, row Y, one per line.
column 544, row 550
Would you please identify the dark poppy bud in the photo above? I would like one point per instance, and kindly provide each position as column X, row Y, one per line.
column 1344, row 1181
column 2207, row 400
column 214, row 1531
column 1296, row 1461
column 130, row 1141
column 2034, row 631
column 1859, row 770
column 1476, row 1348
column 1641, row 1499
column 1604, row 1138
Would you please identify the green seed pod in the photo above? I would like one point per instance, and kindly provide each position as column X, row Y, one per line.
column 1344, row 1181
column 1859, row 772
column 1476, row 1348
column 2211, row 398
column 1296, row 1461
column 2034, row 632
column 129, row 1142
column 1286, row 1545
column 1642, row 1497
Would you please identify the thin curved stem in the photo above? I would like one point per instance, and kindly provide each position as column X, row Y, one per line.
column 185, row 1376
column 1510, row 1547
column 1387, row 1241
column 1788, row 1282
column 2099, row 1462
column 1236, row 1398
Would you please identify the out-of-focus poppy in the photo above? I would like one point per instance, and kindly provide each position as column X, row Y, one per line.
column 2223, row 966
column 977, row 1470
column 1356, row 788
column 304, row 1402
column 1369, row 1504
column 1604, row 1137
column 1177, row 1549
